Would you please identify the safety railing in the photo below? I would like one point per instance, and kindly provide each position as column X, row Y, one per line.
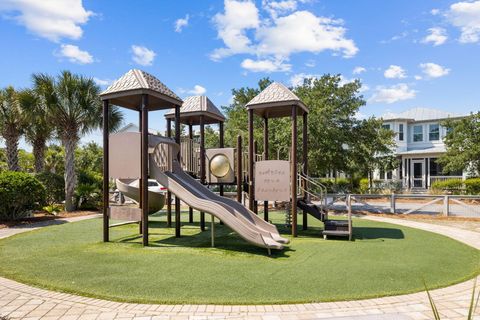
column 190, row 155
column 407, row 204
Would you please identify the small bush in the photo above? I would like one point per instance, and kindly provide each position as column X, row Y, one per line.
column 364, row 185
column 454, row 186
column 19, row 194
column 54, row 185
column 89, row 190
column 472, row 186
column 342, row 185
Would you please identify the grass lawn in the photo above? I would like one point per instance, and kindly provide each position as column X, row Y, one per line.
column 383, row 260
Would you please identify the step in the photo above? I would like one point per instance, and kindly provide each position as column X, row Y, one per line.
column 339, row 233
column 336, row 223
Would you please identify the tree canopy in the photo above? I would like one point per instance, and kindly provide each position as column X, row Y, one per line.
column 338, row 139
column 463, row 145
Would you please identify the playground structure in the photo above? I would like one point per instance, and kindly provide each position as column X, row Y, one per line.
column 185, row 167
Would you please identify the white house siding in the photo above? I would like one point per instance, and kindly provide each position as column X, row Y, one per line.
column 416, row 154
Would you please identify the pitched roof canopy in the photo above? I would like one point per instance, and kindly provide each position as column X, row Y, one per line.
column 275, row 101
column 127, row 92
column 195, row 106
column 421, row 114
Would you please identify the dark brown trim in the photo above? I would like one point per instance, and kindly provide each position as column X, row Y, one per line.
column 177, row 199
column 202, row 164
column 169, row 194
column 294, row 171
column 265, row 154
column 144, row 168
column 106, row 178
column 239, row 169
column 251, row 179
column 190, row 136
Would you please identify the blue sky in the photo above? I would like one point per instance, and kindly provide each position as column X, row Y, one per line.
column 406, row 53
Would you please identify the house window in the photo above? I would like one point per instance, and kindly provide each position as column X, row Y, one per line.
column 400, row 132
column 434, row 132
column 382, row 174
column 389, row 175
column 417, row 133
column 386, row 126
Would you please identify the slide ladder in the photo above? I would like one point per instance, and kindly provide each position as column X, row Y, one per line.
column 311, row 189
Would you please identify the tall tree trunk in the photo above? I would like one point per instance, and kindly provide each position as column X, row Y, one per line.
column 70, row 144
column 39, row 154
column 11, row 142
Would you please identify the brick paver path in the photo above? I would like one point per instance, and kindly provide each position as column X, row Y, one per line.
column 20, row 301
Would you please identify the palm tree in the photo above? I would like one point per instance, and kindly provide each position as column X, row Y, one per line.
column 39, row 129
column 76, row 110
column 11, row 124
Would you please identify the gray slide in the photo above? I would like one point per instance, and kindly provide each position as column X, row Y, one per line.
column 241, row 220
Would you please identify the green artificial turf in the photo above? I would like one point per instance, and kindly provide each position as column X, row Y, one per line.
column 383, row 259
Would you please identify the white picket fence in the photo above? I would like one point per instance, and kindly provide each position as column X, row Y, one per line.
column 447, row 205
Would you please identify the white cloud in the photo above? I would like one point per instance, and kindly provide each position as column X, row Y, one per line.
column 310, row 63
column 142, row 55
column 197, row 90
column 433, row 70
column 434, row 12
column 244, row 31
column 75, row 54
column 102, row 82
column 297, row 79
column 49, row 19
column 181, row 23
column 265, row 65
column 275, row 8
column 437, row 36
column 395, row 72
column 466, row 16
column 358, row 70
column 302, row 31
column 232, row 25
column 418, row 77
column 392, row 94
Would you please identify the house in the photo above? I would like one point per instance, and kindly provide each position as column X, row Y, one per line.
column 419, row 135
column 131, row 127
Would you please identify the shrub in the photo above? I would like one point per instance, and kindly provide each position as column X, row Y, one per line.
column 342, row 185
column 454, row 186
column 472, row 186
column 364, row 185
column 89, row 190
column 54, row 185
column 19, row 194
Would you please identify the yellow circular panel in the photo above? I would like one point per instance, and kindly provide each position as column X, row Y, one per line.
column 219, row 165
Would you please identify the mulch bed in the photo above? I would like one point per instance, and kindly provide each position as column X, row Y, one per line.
column 42, row 216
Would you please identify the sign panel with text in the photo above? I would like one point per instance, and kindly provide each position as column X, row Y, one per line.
column 272, row 180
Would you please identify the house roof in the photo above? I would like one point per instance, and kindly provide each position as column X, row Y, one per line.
column 127, row 91
column 420, row 114
column 276, row 100
column 195, row 106
column 132, row 127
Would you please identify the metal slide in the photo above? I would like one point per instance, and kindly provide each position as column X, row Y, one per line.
column 241, row 220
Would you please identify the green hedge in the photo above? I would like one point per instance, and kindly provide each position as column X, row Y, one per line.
column 472, row 186
column 19, row 194
column 454, row 186
column 54, row 185
column 457, row 186
column 339, row 186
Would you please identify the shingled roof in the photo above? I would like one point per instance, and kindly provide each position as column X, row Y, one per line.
column 276, row 100
column 128, row 89
column 195, row 106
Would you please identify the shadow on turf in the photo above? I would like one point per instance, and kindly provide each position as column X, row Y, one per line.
column 368, row 233
column 225, row 239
